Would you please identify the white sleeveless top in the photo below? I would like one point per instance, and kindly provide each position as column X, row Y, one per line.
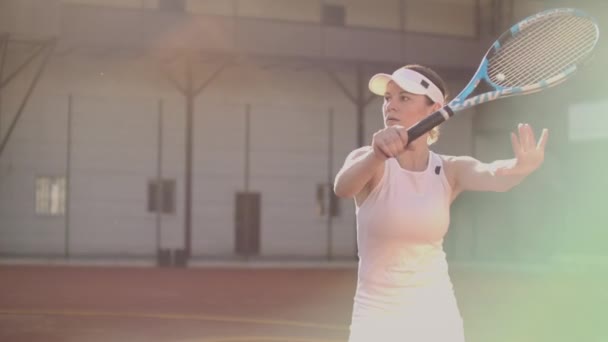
column 404, row 292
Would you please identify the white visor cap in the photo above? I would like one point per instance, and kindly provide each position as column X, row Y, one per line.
column 410, row 81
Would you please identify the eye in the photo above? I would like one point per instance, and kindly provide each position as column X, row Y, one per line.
column 404, row 98
column 387, row 98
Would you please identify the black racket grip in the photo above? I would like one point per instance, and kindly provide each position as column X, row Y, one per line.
column 429, row 123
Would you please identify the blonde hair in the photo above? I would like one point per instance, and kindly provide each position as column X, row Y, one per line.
column 433, row 136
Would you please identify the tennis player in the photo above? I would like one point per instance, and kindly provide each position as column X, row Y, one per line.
column 403, row 194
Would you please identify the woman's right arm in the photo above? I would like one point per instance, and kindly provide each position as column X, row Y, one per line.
column 357, row 172
column 364, row 166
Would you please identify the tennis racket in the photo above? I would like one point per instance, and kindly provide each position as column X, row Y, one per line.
column 539, row 52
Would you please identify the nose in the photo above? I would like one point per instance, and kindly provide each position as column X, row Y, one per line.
column 389, row 105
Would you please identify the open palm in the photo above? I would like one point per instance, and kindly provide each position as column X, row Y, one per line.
column 529, row 154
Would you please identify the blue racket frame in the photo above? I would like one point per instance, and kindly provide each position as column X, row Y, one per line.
column 461, row 101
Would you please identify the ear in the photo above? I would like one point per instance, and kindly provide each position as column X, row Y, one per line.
column 437, row 106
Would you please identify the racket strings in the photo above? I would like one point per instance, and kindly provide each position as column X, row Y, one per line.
column 540, row 50
column 540, row 59
column 543, row 50
column 541, row 68
column 522, row 55
column 574, row 49
column 544, row 59
column 513, row 51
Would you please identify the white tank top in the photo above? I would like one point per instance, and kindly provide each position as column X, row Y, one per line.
column 403, row 274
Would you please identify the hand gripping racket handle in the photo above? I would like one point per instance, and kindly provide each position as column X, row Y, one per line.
column 429, row 123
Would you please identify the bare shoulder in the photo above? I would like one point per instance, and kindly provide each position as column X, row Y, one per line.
column 448, row 164
column 356, row 153
column 458, row 161
column 452, row 165
column 456, row 169
column 355, row 156
column 359, row 153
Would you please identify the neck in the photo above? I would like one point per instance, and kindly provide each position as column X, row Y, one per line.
column 416, row 158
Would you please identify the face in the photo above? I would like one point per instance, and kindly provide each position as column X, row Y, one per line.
column 403, row 108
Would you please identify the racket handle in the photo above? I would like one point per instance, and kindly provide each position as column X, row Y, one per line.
column 429, row 123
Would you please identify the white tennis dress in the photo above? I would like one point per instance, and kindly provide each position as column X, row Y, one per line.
column 404, row 292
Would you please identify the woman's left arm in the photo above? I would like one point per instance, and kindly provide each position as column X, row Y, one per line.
column 502, row 175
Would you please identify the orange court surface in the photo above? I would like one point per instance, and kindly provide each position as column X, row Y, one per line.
column 224, row 304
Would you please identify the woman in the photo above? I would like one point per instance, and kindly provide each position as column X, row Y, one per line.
column 402, row 194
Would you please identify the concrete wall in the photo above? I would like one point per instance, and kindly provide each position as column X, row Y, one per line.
column 114, row 139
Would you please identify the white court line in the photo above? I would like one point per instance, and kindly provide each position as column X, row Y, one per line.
column 262, row 339
column 216, row 318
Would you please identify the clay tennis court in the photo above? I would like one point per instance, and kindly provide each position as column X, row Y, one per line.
column 84, row 303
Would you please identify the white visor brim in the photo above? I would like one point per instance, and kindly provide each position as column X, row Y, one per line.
column 410, row 81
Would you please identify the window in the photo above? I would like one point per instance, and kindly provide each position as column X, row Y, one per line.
column 247, row 223
column 136, row 4
column 172, row 5
column 213, row 7
column 50, row 196
column 587, row 121
column 333, row 15
column 382, row 14
column 288, row 10
column 161, row 196
column 455, row 18
column 327, row 201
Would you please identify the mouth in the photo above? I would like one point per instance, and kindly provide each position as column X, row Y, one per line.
column 391, row 120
